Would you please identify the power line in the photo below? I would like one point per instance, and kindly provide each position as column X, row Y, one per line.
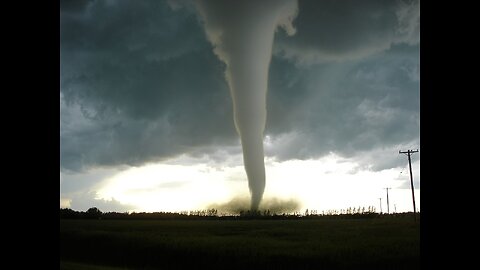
column 409, row 153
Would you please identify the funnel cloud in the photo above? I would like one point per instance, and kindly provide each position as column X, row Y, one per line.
column 242, row 33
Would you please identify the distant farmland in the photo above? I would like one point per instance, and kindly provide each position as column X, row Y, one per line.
column 385, row 242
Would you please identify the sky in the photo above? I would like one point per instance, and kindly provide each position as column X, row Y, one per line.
column 146, row 116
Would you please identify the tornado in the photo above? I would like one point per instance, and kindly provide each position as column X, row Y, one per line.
column 242, row 33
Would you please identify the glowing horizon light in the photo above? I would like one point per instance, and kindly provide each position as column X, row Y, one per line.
column 65, row 203
column 166, row 187
column 322, row 184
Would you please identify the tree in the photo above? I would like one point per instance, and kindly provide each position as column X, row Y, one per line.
column 94, row 213
column 69, row 213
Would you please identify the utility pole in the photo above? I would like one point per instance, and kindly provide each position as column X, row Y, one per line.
column 409, row 152
column 388, row 204
column 380, row 205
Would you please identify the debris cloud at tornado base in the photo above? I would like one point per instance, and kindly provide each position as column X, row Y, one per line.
column 273, row 205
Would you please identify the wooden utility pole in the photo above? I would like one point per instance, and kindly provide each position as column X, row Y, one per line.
column 380, row 205
column 409, row 152
column 388, row 204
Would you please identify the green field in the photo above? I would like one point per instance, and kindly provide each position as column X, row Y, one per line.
column 376, row 243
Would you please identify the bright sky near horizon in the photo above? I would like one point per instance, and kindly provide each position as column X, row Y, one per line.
column 146, row 116
column 329, row 183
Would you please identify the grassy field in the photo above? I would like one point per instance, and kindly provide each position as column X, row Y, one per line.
column 378, row 243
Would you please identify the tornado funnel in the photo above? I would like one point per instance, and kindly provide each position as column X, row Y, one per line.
column 242, row 33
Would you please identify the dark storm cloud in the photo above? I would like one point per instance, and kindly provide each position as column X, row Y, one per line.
column 74, row 6
column 346, row 108
column 139, row 82
column 340, row 30
column 146, row 81
column 347, row 82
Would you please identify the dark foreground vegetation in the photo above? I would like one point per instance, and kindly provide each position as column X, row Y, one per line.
column 348, row 241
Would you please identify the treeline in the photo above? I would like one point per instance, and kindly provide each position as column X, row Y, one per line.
column 95, row 213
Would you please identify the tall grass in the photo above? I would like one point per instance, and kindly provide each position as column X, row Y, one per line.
column 381, row 243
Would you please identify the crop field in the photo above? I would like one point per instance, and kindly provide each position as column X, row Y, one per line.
column 375, row 243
